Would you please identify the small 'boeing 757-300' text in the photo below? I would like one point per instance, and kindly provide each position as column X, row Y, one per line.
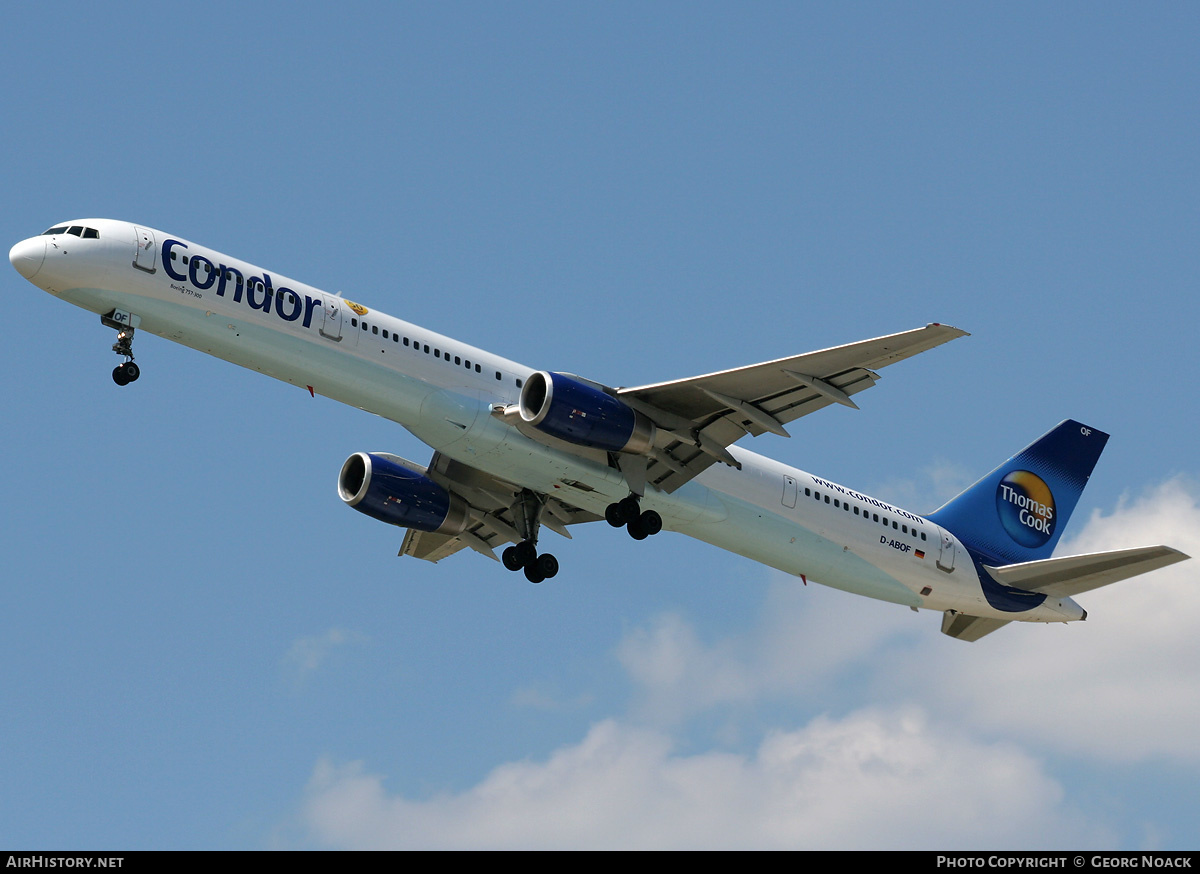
column 517, row 451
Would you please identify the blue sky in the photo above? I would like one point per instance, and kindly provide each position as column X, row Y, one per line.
column 204, row 648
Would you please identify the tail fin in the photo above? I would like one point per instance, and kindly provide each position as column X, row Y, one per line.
column 1018, row 511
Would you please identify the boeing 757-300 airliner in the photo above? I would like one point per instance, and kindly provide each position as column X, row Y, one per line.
column 517, row 450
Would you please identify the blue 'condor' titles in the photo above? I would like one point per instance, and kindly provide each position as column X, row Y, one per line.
column 259, row 291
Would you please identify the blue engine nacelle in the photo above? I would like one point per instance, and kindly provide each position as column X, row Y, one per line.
column 384, row 489
column 578, row 412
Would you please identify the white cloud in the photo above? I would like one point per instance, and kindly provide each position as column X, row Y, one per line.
column 1120, row 686
column 307, row 654
column 943, row 758
column 877, row 779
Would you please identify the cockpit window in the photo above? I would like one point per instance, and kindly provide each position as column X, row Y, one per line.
column 77, row 230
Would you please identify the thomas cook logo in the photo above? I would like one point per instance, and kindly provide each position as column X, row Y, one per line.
column 1026, row 508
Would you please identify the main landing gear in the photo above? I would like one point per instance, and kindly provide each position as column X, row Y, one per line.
column 524, row 556
column 628, row 513
column 527, row 512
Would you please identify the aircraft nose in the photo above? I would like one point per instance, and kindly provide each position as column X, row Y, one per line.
column 27, row 256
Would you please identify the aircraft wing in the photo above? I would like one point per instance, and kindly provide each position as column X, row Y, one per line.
column 1073, row 574
column 969, row 628
column 703, row 415
column 1063, row 578
column 491, row 502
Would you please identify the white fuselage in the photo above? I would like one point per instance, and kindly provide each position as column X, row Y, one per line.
column 444, row 391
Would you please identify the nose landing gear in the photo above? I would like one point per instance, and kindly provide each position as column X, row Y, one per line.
column 125, row 373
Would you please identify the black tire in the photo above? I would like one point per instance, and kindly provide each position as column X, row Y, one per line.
column 630, row 509
column 119, row 376
column 533, row 573
column 614, row 515
column 526, row 552
column 547, row 565
column 650, row 522
column 636, row 531
column 132, row 371
column 511, row 559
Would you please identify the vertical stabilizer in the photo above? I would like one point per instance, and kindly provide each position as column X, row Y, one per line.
column 1018, row 511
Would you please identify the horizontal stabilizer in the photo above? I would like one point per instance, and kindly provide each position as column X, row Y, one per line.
column 1073, row 574
column 969, row 628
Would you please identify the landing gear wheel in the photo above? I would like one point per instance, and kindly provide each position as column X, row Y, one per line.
column 511, row 559
column 630, row 509
column 614, row 515
column 119, row 376
column 636, row 531
column 526, row 552
column 533, row 573
column 132, row 371
column 547, row 565
column 650, row 522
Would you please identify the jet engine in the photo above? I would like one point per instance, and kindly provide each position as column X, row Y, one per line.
column 387, row 490
column 583, row 413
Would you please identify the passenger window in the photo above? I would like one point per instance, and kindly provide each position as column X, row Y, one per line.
column 478, row 369
column 354, row 323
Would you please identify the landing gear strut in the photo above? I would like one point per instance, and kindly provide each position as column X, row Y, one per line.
column 628, row 513
column 527, row 512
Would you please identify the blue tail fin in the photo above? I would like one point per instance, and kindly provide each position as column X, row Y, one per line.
column 1018, row 511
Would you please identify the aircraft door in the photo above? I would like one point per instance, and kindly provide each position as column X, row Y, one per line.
column 945, row 560
column 789, row 491
column 331, row 327
column 144, row 256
